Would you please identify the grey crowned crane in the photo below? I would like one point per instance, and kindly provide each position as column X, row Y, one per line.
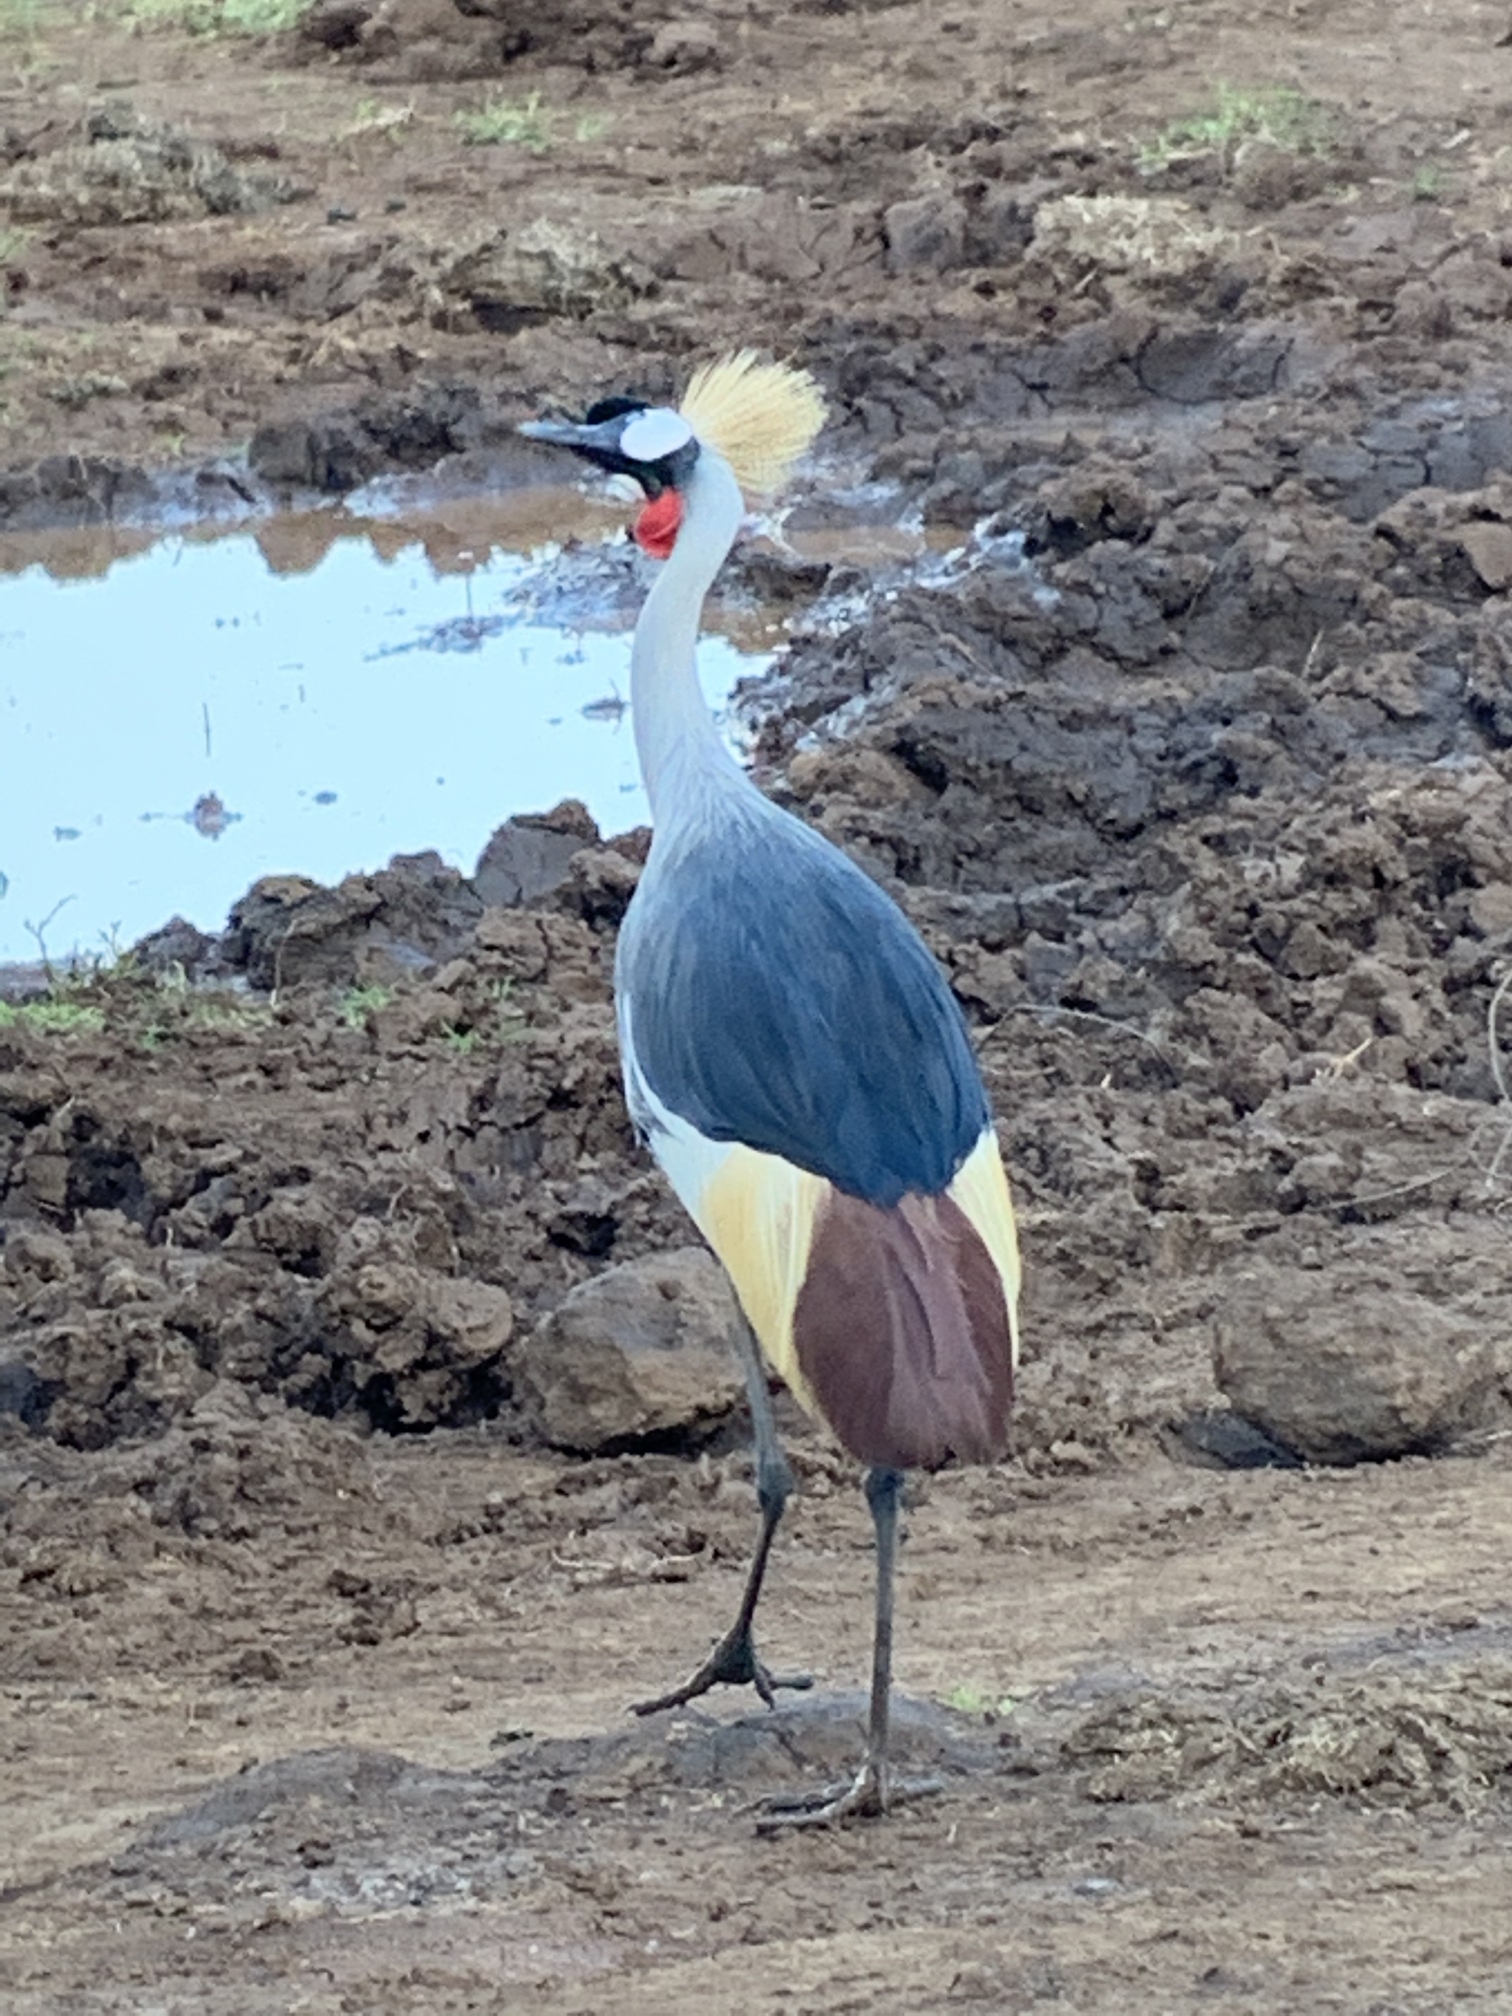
column 793, row 1056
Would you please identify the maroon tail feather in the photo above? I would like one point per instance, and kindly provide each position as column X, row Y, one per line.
column 901, row 1330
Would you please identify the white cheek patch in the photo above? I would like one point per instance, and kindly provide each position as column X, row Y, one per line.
column 654, row 434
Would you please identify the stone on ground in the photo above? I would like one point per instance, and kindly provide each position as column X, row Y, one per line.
column 1348, row 1378
column 644, row 1350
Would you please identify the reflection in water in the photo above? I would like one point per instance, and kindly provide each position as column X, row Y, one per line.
column 610, row 708
column 210, row 816
column 468, row 632
column 374, row 686
column 453, row 535
column 207, row 815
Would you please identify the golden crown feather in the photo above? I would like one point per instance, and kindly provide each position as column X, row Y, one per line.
column 760, row 417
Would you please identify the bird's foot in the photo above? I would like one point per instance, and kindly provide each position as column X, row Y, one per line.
column 732, row 1663
column 871, row 1793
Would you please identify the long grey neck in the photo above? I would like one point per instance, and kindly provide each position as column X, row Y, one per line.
column 682, row 757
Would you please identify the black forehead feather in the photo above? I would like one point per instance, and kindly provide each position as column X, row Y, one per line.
column 612, row 409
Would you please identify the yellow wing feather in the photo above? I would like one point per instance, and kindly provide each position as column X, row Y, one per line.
column 981, row 1189
column 759, row 417
column 758, row 1214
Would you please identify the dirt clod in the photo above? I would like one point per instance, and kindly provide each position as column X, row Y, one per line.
column 530, row 857
column 639, row 1354
column 1378, row 1373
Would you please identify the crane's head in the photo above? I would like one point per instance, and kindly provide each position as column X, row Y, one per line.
column 759, row 417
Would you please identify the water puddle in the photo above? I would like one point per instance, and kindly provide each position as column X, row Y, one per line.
column 310, row 694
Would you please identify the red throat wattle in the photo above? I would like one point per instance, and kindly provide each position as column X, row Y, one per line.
column 657, row 526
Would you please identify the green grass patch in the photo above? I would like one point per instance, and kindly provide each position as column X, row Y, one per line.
column 969, row 1700
column 54, row 1017
column 218, row 17
column 358, row 1004
column 19, row 17
column 498, row 1022
column 223, row 1012
column 508, row 1022
column 146, row 1008
column 171, row 1015
column 372, row 116
column 24, row 32
column 508, row 122
column 1278, row 113
column 524, row 122
column 25, row 20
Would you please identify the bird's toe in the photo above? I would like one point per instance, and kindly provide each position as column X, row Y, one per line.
column 732, row 1663
column 871, row 1793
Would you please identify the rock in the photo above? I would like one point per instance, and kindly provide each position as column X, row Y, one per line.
column 1128, row 234
column 1268, row 175
column 599, row 886
column 1490, row 909
column 335, row 24
column 415, row 914
column 1098, row 500
column 22, row 1392
column 528, row 857
column 179, row 946
column 253, row 1664
column 260, row 920
column 542, row 269
column 925, row 233
column 1352, row 1377
column 135, row 170
column 1424, row 311
column 684, row 47
column 644, row 1350
column 586, row 1222
column 1219, row 1440
column 328, row 453
column 418, row 1346
column 866, row 777
column 43, row 1254
column 779, row 578
column 1000, row 221
column 1488, row 546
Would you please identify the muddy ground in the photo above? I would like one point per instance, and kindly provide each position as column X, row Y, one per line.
column 1189, row 332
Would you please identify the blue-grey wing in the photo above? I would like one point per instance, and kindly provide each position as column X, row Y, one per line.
column 780, row 999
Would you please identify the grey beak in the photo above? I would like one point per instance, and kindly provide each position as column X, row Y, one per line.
column 573, row 434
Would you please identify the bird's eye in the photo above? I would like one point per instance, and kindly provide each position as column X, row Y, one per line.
column 653, row 435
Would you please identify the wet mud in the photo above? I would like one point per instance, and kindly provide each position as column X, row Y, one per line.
column 1185, row 736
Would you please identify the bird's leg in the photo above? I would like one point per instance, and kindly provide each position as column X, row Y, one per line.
column 733, row 1661
column 873, row 1789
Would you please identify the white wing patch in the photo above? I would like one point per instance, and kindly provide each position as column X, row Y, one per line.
column 690, row 1160
column 654, row 434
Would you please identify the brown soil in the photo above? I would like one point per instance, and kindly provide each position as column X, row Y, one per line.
column 1194, row 761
